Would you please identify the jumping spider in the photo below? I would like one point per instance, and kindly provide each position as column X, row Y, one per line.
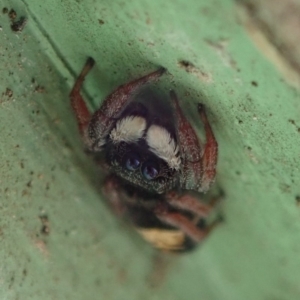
column 154, row 158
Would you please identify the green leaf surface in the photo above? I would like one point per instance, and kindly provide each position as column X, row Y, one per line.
column 59, row 240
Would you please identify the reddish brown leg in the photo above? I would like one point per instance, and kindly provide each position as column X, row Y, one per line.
column 115, row 102
column 190, row 204
column 189, row 141
column 190, row 149
column 111, row 190
column 210, row 155
column 81, row 111
column 198, row 166
column 181, row 222
column 105, row 116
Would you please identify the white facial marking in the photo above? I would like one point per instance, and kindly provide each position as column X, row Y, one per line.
column 128, row 129
column 163, row 145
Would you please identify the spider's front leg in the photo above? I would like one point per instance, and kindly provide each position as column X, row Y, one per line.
column 198, row 164
column 81, row 111
column 104, row 118
column 210, row 155
column 94, row 128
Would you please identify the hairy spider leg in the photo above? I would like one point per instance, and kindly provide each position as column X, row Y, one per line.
column 104, row 118
column 210, row 154
column 183, row 223
column 191, row 204
column 190, row 148
column 198, row 165
column 81, row 111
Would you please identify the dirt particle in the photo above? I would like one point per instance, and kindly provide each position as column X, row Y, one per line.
column 39, row 89
column 5, row 10
column 12, row 14
column 192, row 69
column 297, row 198
column 294, row 123
column 25, row 193
column 254, row 83
column 8, row 92
column 42, row 247
column 45, row 229
column 188, row 66
column 101, row 22
column 18, row 26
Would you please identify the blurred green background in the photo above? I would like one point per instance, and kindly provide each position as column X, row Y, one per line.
column 59, row 240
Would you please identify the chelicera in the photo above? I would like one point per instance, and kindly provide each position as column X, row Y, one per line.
column 153, row 157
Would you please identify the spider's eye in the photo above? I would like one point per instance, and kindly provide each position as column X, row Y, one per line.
column 150, row 171
column 132, row 162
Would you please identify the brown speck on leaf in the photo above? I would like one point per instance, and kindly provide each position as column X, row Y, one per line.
column 192, row 69
column 9, row 93
column 294, row 123
column 254, row 83
column 16, row 25
column 5, row 10
column 12, row 14
column 297, row 200
column 39, row 89
column 42, row 247
column 101, row 22
column 45, row 230
column 25, row 193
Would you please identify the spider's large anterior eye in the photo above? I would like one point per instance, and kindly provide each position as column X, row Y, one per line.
column 132, row 162
column 150, row 171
